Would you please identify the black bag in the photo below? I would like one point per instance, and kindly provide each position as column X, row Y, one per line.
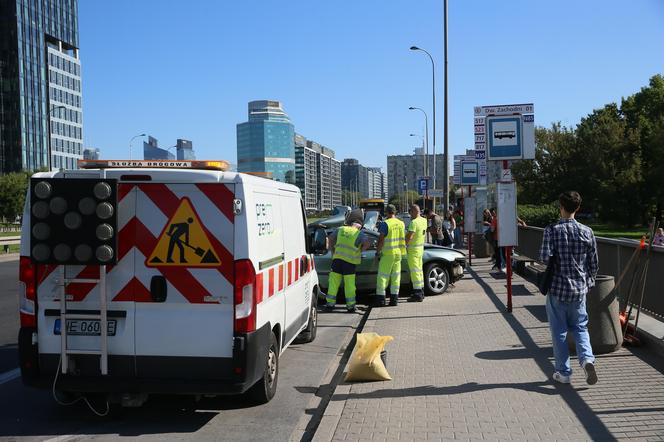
column 545, row 279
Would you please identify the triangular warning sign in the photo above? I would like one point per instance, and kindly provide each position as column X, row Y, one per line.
column 183, row 242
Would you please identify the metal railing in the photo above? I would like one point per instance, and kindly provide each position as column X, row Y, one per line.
column 614, row 255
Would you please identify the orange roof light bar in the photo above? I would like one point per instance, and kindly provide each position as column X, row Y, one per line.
column 154, row 164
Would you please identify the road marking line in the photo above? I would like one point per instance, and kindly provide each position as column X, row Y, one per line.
column 60, row 438
column 10, row 375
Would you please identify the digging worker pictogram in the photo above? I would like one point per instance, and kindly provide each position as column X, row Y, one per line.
column 175, row 232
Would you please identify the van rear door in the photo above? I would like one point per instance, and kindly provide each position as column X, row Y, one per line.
column 184, row 271
column 83, row 301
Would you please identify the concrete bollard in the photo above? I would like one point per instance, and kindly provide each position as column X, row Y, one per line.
column 603, row 320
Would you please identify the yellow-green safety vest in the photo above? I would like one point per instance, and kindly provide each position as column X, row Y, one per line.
column 345, row 248
column 395, row 241
column 417, row 239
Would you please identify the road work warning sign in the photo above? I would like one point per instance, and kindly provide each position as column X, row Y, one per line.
column 183, row 242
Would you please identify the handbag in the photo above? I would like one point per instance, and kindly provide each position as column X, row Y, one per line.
column 545, row 279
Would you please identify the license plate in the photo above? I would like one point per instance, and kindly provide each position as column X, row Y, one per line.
column 85, row 327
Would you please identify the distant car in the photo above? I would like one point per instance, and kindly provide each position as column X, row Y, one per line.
column 441, row 266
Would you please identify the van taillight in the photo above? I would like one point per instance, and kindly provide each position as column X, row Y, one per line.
column 27, row 290
column 245, row 296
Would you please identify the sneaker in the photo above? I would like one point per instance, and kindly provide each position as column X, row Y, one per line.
column 558, row 377
column 503, row 269
column 591, row 374
column 394, row 301
column 416, row 298
column 350, row 309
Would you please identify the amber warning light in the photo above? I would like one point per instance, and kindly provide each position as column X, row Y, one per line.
column 156, row 164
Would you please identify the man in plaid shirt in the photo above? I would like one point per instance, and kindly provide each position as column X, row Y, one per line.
column 574, row 249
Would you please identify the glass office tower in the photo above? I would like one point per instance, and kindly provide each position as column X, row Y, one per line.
column 265, row 143
column 40, row 85
column 152, row 151
column 185, row 150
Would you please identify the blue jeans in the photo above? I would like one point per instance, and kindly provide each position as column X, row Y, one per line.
column 564, row 317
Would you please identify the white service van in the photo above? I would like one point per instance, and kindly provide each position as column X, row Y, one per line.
column 142, row 277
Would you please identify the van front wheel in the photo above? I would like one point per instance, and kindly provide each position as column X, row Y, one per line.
column 263, row 391
column 309, row 334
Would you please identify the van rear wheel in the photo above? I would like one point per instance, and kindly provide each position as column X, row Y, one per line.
column 263, row 390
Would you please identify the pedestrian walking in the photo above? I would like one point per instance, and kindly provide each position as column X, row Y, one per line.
column 573, row 248
column 346, row 244
column 415, row 251
column 390, row 249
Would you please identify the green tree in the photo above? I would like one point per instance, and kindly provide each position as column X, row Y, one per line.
column 399, row 200
column 13, row 187
column 644, row 114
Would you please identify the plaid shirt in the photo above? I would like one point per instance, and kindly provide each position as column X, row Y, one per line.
column 576, row 255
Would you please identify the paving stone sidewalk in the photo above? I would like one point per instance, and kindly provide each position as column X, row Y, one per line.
column 464, row 369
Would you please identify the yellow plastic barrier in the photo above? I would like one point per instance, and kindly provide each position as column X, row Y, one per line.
column 365, row 364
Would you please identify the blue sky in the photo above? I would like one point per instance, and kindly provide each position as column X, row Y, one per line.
column 343, row 70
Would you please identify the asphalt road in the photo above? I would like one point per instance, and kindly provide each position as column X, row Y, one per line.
column 31, row 414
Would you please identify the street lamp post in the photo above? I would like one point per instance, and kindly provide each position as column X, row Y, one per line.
column 132, row 139
column 426, row 158
column 446, row 184
column 48, row 123
column 433, row 97
column 424, row 163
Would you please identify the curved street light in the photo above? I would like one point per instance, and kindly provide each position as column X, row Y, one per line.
column 132, row 139
column 433, row 94
column 426, row 130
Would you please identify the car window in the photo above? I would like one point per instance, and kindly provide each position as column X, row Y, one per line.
column 370, row 220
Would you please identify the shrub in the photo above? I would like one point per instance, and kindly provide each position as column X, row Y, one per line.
column 539, row 215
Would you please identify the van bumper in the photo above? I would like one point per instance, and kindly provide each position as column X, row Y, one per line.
column 151, row 374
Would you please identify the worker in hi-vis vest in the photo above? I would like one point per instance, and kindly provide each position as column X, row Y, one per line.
column 391, row 248
column 346, row 244
column 415, row 234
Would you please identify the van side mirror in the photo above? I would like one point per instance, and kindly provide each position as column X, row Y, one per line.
column 319, row 241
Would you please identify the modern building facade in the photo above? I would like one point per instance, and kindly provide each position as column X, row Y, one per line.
column 317, row 174
column 354, row 177
column 90, row 153
column 306, row 172
column 152, row 151
column 367, row 182
column 185, row 150
column 265, row 143
column 41, row 121
column 376, row 183
column 403, row 171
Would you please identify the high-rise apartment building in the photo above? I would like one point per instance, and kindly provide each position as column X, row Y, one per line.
column 368, row 182
column 317, row 174
column 152, row 151
column 403, row 171
column 41, row 121
column 306, row 172
column 376, row 183
column 185, row 150
column 354, row 177
column 265, row 143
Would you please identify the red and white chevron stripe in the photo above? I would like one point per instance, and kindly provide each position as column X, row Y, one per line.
column 143, row 210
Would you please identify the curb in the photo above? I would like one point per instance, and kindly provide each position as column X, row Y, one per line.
column 6, row 257
column 332, row 414
column 303, row 430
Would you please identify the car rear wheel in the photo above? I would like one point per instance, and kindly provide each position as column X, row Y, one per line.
column 436, row 279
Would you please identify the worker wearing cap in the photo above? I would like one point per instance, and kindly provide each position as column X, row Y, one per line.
column 346, row 244
column 391, row 248
column 415, row 250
